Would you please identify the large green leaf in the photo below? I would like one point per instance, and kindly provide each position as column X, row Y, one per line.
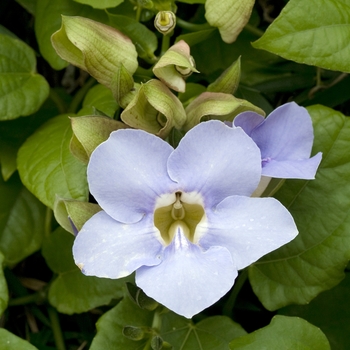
column 314, row 261
column 331, row 312
column 72, row 292
column 287, row 333
column 48, row 20
column 314, row 32
column 213, row 333
column 22, row 90
column 4, row 296
column 22, row 220
column 9, row 341
column 46, row 166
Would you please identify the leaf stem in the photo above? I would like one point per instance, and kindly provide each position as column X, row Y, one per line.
column 48, row 220
column 138, row 13
column 165, row 44
column 58, row 101
column 79, row 96
column 192, row 27
column 56, row 328
column 27, row 299
column 228, row 307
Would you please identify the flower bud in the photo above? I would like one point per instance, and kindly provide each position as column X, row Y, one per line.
column 165, row 22
column 154, row 109
column 175, row 65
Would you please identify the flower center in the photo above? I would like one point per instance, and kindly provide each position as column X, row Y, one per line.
column 184, row 213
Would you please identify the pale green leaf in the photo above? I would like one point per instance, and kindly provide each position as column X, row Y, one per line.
column 46, row 166
column 9, row 341
column 72, row 292
column 100, row 4
column 22, row 90
column 315, row 32
column 314, row 261
column 287, row 333
column 22, row 220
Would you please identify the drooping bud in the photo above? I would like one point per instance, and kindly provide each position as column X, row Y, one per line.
column 216, row 105
column 175, row 65
column 89, row 132
column 165, row 22
column 228, row 81
column 154, row 109
column 229, row 16
column 95, row 47
column 72, row 214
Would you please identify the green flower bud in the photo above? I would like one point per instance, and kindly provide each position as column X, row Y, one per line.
column 175, row 65
column 154, row 109
column 165, row 22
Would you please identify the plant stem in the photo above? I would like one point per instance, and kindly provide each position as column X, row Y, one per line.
column 58, row 101
column 79, row 96
column 56, row 328
column 254, row 30
column 138, row 13
column 165, row 44
column 48, row 220
column 26, row 299
column 192, row 27
column 242, row 277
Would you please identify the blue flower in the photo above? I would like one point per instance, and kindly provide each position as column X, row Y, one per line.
column 182, row 219
column 285, row 140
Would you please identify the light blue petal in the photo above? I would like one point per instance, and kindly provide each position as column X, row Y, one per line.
column 188, row 280
column 217, row 161
column 285, row 140
column 286, row 134
column 106, row 248
column 127, row 173
column 248, row 121
column 293, row 169
column 248, row 227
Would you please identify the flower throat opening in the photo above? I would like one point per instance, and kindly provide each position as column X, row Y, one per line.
column 179, row 214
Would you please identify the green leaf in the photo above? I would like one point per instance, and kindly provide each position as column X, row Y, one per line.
column 48, row 20
column 287, row 333
column 100, row 4
column 9, row 341
column 72, row 292
column 14, row 132
column 4, row 295
column 46, row 166
column 22, row 221
column 144, row 39
column 29, row 5
column 330, row 311
column 192, row 1
column 213, row 333
column 314, row 32
column 22, row 90
column 99, row 97
column 314, row 261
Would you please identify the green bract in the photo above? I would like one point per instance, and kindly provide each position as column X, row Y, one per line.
column 174, row 66
column 96, row 48
column 229, row 16
column 155, row 109
column 215, row 105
